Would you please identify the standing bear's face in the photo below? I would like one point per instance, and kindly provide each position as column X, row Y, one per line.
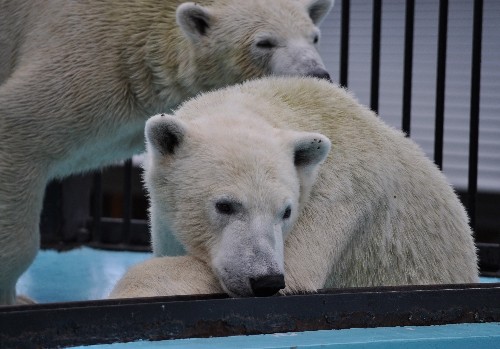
column 235, row 40
column 230, row 188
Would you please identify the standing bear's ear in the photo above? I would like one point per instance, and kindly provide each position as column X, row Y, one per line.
column 318, row 9
column 193, row 19
column 310, row 150
column 164, row 134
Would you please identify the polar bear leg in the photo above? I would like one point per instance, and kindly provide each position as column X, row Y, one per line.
column 167, row 276
column 23, row 177
column 21, row 199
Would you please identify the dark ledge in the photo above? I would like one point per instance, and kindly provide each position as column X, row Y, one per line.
column 160, row 318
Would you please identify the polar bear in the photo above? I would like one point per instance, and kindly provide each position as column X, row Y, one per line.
column 167, row 276
column 290, row 183
column 78, row 80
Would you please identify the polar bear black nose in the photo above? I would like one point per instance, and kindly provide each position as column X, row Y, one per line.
column 321, row 74
column 267, row 285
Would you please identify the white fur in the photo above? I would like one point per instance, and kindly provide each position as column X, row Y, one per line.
column 185, row 275
column 296, row 57
column 78, row 79
column 376, row 212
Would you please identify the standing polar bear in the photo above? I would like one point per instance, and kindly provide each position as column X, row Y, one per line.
column 78, row 80
column 245, row 178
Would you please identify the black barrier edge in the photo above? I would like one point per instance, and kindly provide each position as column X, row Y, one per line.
column 344, row 42
column 408, row 65
column 489, row 259
column 440, row 83
column 375, row 64
column 97, row 206
column 477, row 33
column 127, row 202
column 161, row 318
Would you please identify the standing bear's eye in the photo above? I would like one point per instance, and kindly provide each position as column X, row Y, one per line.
column 225, row 207
column 265, row 44
column 287, row 213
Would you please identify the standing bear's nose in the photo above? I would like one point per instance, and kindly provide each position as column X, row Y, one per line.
column 320, row 74
column 267, row 285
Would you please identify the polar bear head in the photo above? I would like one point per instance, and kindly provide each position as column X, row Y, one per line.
column 236, row 40
column 230, row 187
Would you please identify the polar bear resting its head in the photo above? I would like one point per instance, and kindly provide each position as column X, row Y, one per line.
column 290, row 183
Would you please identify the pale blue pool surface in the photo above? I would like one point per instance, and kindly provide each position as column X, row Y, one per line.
column 86, row 273
column 75, row 275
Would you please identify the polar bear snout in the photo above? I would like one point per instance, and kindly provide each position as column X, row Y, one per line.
column 245, row 273
column 267, row 285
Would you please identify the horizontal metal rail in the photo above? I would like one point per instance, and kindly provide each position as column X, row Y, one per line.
column 163, row 318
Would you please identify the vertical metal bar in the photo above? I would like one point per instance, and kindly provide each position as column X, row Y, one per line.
column 97, row 211
column 474, row 109
column 375, row 78
column 76, row 196
column 127, row 201
column 440, row 83
column 344, row 43
column 408, row 65
column 51, row 218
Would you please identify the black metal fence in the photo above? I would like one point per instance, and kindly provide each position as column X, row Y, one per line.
column 108, row 209
column 161, row 318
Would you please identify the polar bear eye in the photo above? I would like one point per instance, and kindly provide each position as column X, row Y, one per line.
column 225, row 207
column 287, row 213
column 316, row 39
column 266, row 44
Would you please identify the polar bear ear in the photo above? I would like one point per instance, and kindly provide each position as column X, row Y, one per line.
column 164, row 134
column 310, row 149
column 193, row 19
column 318, row 9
